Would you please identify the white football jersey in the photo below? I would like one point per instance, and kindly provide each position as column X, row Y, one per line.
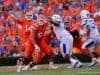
column 93, row 28
column 61, row 32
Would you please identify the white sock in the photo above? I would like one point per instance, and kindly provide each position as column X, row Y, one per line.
column 73, row 61
column 19, row 68
column 26, row 67
column 93, row 59
column 51, row 63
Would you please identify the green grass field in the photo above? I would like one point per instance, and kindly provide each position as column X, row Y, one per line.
column 63, row 70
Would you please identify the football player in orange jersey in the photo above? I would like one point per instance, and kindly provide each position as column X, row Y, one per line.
column 51, row 40
column 40, row 35
column 26, row 26
column 44, row 45
column 37, row 42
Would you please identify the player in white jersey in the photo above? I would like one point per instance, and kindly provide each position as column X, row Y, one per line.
column 91, row 36
column 66, row 41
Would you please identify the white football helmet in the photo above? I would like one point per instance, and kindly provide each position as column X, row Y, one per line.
column 56, row 18
column 29, row 15
column 85, row 14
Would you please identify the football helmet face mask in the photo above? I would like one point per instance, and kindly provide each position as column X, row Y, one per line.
column 85, row 14
column 56, row 18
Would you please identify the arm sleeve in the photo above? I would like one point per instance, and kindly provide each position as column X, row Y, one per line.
column 19, row 21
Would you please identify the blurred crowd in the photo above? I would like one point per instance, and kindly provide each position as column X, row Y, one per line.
column 10, row 33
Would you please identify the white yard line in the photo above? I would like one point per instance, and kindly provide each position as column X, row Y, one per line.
column 91, row 72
